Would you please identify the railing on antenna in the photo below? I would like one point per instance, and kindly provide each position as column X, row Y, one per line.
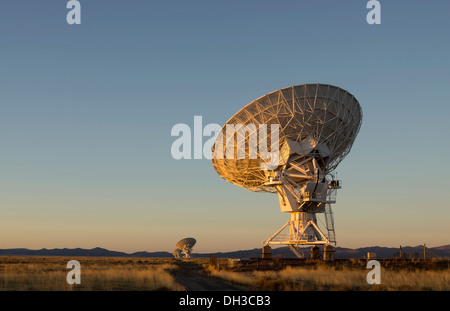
column 335, row 184
column 282, row 237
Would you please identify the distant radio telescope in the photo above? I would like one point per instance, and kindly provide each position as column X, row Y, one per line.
column 309, row 129
column 184, row 246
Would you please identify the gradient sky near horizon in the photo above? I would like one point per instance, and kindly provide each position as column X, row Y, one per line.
column 86, row 113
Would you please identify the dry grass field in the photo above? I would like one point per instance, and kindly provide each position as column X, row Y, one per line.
column 152, row 274
column 324, row 278
column 49, row 274
column 342, row 275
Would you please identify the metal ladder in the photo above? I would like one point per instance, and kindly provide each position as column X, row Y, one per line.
column 297, row 251
column 330, row 224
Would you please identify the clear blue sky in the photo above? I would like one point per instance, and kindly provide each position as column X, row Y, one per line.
column 86, row 112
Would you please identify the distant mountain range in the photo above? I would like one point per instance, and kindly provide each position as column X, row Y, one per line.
column 381, row 252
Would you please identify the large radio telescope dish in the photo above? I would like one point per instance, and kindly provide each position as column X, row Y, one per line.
column 185, row 246
column 314, row 120
column 309, row 128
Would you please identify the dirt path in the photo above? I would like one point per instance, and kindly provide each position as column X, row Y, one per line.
column 194, row 278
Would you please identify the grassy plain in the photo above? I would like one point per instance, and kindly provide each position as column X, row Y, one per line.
column 49, row 274
column 150, row 274
column 341, row 275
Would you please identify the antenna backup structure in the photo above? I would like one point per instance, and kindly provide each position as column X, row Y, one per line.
column 316, row 127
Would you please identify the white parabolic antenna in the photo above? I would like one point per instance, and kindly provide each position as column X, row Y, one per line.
column 289, row 142
column 185, row 246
